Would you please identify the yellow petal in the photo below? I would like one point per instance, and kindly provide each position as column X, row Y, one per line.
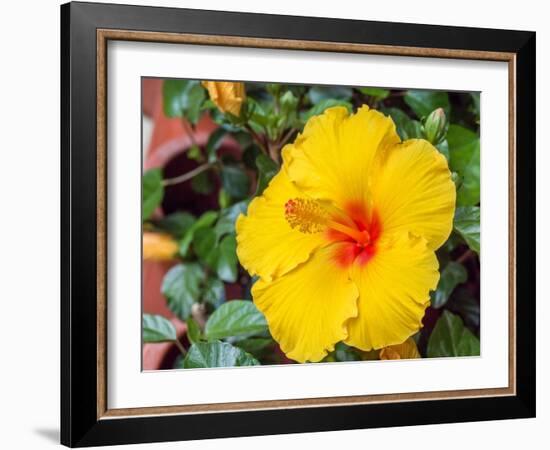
column 394, row 288
column 413, row 191
column 158, row 246
column 266, row 244
column 307, row 308
column 406, row 350
column 227, row 96
column 333, row 157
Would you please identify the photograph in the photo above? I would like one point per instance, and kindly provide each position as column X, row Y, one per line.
column 298, row 224
column 279, row 223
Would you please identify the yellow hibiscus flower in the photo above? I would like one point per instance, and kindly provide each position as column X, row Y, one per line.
column 226, row 95
column 344, row 237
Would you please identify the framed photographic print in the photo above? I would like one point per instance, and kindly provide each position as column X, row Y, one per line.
column 276, row 224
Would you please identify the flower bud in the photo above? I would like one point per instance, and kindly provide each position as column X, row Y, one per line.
column 435, row 126
column 158, row 246
column 226, row 95
column 406, row 350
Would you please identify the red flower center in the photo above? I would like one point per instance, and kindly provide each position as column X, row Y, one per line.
column 353, row 249
column 357, row 230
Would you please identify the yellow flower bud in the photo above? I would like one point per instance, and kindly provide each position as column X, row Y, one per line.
column 226, row 95
column 158, row 247
column 406, row 350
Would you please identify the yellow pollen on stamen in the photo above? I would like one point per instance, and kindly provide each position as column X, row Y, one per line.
column 309, row 216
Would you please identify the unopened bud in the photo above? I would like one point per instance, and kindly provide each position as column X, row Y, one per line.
column 435, row 126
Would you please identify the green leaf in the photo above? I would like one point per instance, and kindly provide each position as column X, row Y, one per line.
column 208, row 105
column 288, row 104
column 157, row 329
column 178, row 362
column 217, row 354
column 235, row 318
column 249, row 156
column 398, row 116
column 214, row 142
column 274, row 89
column 466, row 306
column 466, row 224
column 228, row 217
column 214, row 292
column 343, row 352
column 255, row 346
column 424, row 102
column 258, row 114
column 222, row 257
column 406, row 127
column 452, row 242
column 413, row 130
column 202, row 183
column 469, row 344
column 443, row 148
column 319, row 93
column 267, row 169
column 183, row 98
column 243, row 138
column 181, row 287
column 319, row 108
column 193, row 331
column 224, row 199
column 226, row 266
column 177, row 223
column 205, row 246
column 451, row 338
column 376, row 93
column 152, row 192
column 235, row 181
column 464, row 150
column 451, row 276
column 206, row 220
column 228, row 122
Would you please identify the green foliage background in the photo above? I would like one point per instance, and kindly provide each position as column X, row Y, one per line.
column 225, row 331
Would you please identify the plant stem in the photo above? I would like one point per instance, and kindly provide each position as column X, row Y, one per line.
column 256, row 138
column 466, row 255
column 274, row 152
column 287, row 137
column 187, row 176
column 198, row 313
column 276, row 103
column 274, row 148
column 180, row 347
column 190, row 131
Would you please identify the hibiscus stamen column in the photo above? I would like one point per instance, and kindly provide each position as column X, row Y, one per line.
column 309, row 216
